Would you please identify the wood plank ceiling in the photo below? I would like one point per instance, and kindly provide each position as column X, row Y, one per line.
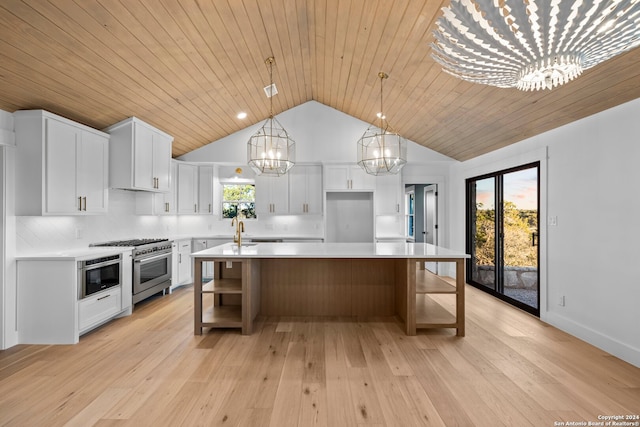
column 189, row 66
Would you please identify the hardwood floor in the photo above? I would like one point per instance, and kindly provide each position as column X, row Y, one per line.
column 149, row 369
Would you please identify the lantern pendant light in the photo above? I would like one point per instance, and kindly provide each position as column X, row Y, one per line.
column 271, row 150
column 381, row 150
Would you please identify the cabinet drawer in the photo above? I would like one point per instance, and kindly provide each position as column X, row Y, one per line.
column 96, row 309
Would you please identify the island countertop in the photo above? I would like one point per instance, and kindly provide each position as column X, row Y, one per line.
column 330, row 250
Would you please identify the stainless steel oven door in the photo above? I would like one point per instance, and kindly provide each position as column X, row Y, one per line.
column 151, row 271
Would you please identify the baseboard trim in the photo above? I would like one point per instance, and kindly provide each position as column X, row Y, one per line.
column 619, row 349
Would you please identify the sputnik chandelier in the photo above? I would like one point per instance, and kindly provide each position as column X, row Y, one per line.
column 381, row 150
column 271, row 150
column 532, row 44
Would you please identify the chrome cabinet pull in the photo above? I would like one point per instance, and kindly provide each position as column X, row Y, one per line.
column 195, row 207
column 166, row 207
column 79, row 203
column 106, row 296
column 85, row 203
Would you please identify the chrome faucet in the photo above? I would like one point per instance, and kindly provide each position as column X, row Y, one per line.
column 237, row 238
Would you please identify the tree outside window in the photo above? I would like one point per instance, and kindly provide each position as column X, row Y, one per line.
column 238, row 198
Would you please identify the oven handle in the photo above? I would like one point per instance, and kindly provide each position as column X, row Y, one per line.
column 153, row 257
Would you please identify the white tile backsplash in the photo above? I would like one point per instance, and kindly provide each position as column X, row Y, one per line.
column 52, row 233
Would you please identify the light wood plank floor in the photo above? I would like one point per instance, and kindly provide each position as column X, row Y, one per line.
column 149, row 369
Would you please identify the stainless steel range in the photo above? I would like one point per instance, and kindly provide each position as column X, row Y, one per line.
column 151, row 265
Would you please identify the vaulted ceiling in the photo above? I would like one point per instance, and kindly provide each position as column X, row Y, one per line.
column 189, row 66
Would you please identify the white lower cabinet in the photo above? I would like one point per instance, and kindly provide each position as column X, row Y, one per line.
column 181, row 269
column 49, row 309
column 99, row 307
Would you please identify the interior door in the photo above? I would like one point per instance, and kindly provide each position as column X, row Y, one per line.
column 502, row 235
column 431, row 221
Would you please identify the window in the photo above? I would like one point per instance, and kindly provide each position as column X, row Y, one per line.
column 238, row 198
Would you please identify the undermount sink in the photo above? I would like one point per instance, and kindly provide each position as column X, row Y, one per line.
column 244, row 245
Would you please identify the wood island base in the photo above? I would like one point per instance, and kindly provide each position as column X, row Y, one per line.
column 360, row 288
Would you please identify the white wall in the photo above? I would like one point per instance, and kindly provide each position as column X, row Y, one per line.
column 321, row 133
column 8, row 328
column 590, row 183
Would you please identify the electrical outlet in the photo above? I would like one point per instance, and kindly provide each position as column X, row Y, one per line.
column 78, row 233
column 561, row 301
column 553, row 220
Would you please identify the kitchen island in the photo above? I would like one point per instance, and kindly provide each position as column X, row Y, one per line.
column 357, row 280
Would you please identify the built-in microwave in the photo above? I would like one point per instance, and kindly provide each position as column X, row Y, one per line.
column 98, row 274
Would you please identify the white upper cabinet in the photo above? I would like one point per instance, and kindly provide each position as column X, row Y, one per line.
column 347, row 177
column 272, row 195
column 140, row 156
column 148, row 203
column 61, row 166
column 206, row 189
column 305, row 190
column 187, row 188
column 388, row 195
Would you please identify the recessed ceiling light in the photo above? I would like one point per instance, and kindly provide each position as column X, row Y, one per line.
column 242, row 115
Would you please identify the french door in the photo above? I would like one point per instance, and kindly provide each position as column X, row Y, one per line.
column 502, row 235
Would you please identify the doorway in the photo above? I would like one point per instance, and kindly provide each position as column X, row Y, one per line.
column 502, row 235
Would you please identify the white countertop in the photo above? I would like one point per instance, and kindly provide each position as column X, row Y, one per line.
column 329, row 250
column 78, row 254
column 257, row 236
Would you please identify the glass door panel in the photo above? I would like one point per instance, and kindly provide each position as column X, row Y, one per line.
column 520, row 230
column 502, row 235
column 483, row 229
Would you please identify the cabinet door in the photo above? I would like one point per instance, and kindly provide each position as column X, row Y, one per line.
column 162, row 162
column 187, row 188
column 143, row 177
column 360, row 180
column 61, row 168
column 388, row 194
column 93, row 172
column 314, row 190
column 336, row 177
column 205, row 189
column 272, row 195
column 184, row 262
column 305, row 190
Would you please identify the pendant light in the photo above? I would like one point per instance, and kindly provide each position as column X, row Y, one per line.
column 532, row 44
column 271, row 150
column 381, row 150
